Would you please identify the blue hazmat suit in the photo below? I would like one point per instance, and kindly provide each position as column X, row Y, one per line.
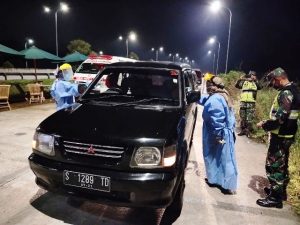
column 218, row 141
column 63, row 92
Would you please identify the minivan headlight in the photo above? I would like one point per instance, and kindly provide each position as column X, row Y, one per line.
column 146, row 157
column 43, row 143
column 153, row 157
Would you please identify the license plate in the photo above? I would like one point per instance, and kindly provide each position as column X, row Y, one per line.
column 85, row 180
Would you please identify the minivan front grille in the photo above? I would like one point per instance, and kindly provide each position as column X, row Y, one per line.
column 93, row 150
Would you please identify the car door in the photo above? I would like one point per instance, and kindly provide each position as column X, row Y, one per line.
column 190, row 109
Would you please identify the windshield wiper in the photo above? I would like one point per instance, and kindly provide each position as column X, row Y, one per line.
column 104, row 97
column 116, row 95
column 146, row 100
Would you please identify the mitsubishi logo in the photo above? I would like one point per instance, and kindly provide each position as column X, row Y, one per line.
column 91, row 150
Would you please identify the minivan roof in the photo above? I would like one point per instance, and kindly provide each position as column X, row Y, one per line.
column 150, row 64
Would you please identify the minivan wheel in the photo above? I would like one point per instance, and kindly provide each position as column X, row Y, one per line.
column 173, row 211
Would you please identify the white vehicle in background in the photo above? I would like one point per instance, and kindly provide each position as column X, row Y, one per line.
column 88, row 70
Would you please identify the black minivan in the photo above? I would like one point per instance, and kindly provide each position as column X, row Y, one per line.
column 128, row 145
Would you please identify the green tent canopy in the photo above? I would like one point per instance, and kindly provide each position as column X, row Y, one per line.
column 75, row 57
column 36, row 53
column 8, row 50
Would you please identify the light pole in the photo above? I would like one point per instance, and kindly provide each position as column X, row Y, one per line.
column 215, row 6
column 212, row 41
column 160, row 49
column 131, row 37
column 186, row 59
column 174, row 56
column 28, row 41
column 62, row 7
column 192, row 63
column 214, row 57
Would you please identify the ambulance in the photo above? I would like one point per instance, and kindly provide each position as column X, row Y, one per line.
column 88, row 70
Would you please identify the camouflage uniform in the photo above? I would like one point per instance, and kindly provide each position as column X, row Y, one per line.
column 282, row 126
column 247, row 110
column 281, row 138
column 247, row 103
column 277, row 163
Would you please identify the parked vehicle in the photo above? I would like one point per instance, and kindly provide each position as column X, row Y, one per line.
column 88, row 70
column 128, row 145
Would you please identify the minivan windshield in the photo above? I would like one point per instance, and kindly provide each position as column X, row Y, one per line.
column 89, row 68
column 126, row 87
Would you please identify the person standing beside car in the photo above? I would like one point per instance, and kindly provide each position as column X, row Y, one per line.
column 249, row 86
column 218, row 136
column 62, row 90
column 282, row 126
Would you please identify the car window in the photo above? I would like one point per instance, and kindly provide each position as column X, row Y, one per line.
column 140, row 84
column 188, row 82
column 90, row 68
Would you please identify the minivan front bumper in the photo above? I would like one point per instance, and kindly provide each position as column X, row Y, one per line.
column 127, row 188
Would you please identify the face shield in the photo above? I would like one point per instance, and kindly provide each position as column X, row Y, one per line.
column 211, row 87
column 215, row 83
column 67, row 74
column 66, row 71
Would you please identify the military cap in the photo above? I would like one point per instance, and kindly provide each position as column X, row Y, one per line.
column 277, row 72
column 251, row 73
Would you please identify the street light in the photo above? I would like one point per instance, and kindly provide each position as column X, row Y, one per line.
column 212, row 40
column 62, row 7
column 216, row 6
column 214, row 57
column 132, row 37
column 186, row 59
column 174, row 56
column 177, row 56
column 192, row 62
column 160, row 49
column 100, row 52
column 28, row 41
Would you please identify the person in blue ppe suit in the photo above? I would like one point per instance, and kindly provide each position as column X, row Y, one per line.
column 62, row 90
column 218, row 136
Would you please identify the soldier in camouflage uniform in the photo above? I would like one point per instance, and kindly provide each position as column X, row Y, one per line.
column 249, row 86
column 282, row 126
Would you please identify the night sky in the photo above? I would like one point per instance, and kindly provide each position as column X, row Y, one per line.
column 264, row 34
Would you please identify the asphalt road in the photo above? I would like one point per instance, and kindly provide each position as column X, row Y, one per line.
column 22, row 202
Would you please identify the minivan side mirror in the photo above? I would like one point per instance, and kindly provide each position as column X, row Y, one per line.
column 82, row 88
column 193, row 96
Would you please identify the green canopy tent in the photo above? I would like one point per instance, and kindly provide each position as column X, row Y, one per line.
column 8, row 50
column 36, row 53
column 75, row 57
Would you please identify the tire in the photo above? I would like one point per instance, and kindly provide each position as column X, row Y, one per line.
column 173, row 211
